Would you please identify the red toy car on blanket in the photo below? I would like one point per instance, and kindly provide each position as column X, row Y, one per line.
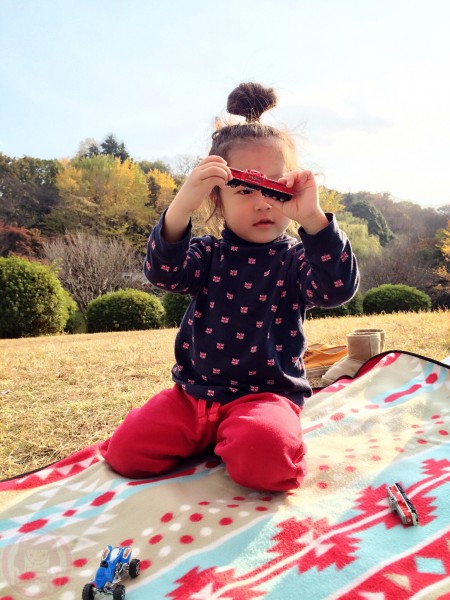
column 402, row 505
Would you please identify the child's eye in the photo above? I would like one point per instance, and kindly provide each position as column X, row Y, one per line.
column 245, row 191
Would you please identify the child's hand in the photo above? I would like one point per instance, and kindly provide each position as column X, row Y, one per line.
column 212, row 171
column 304, row 206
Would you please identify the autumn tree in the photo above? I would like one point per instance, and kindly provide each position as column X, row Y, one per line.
column 19, row 241
column 443, row 242
column 440, row 291
column 102, row 195
column 162, row 187
column 331, row 200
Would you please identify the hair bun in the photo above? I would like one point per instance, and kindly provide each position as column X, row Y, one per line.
column 250, row 100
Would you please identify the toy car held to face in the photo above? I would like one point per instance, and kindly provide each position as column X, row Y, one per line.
column 402, row 505
column 255, row 180
column 115, row 564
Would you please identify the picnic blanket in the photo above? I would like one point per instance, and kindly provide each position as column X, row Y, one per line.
column 200, row 536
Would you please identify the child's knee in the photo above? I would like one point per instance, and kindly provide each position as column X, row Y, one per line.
column 279, row 476
column 135, row 462
column 262, row 461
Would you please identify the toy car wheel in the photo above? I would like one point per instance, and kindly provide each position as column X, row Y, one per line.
column 134, row 568
column 88, row 592
column 119, row 592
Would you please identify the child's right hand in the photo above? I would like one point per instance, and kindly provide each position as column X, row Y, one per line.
column 211, row 172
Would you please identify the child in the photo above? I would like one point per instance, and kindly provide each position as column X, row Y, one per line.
column 239, row 376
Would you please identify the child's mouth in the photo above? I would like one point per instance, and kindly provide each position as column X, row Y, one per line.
column 263, row 223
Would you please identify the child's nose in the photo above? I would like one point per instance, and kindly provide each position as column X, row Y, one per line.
column 261, row 202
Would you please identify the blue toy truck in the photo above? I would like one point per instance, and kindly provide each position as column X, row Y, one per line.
column 115, row 564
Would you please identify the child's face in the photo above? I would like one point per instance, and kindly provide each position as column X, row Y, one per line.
column 248, row 213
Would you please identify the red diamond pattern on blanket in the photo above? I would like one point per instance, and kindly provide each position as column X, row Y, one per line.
column 393, row 582
column 210, row 584
column 313, row 544
column 74, row 464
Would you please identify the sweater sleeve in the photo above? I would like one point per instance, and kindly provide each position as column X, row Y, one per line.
column 327, row 268
column 175, row 267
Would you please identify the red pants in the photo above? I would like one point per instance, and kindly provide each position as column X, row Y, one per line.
column 258, row 437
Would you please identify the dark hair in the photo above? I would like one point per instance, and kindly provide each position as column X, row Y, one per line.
column 248, row 100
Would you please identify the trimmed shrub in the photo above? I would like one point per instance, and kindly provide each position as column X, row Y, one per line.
column 75, row 323
column 32, row 299
column 71, row 312
column 175, row 305
column 124, row 310
column 353, row 307
column 388, row 298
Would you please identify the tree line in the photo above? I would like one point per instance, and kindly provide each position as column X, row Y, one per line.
column 51, row 210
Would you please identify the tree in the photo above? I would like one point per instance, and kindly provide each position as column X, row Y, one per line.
column 440, row 291
column 331, row 200
column 377, row 224
column 443, row 242
column 102, row 195
column 399, row 263
column 27, row 190
column 88, row 148
column 113, row 147
column 444, row 210
column 404, row 217
column 363, row 244
column 19, row 241
column 89, row 266
column 162, row 188
column 185, row 164
column 159, row 165
column 109, row 146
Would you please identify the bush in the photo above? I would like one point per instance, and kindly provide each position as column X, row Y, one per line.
column 124, row 310
column 75, row 323
column 32, row 300
column 389, row 298
column 354, row 307
column 71, row 309
column 175, row 305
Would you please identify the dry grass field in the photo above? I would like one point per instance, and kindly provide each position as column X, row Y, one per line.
column 61, row 393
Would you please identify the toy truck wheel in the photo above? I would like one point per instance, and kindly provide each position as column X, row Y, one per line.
column 134, row 568
column 119, row 592
column 88, row 592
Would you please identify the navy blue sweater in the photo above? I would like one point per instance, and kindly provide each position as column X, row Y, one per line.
column 242, row 332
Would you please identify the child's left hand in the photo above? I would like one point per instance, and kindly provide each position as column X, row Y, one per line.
column 304, row 206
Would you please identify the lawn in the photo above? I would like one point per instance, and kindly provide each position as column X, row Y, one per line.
column 62, row 393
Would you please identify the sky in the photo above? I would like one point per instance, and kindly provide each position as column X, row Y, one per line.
column 363, row 85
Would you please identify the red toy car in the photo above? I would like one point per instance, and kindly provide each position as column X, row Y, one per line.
column 256, row 181
column 402, row 505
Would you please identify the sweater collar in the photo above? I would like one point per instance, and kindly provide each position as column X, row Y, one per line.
column 231, row 238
